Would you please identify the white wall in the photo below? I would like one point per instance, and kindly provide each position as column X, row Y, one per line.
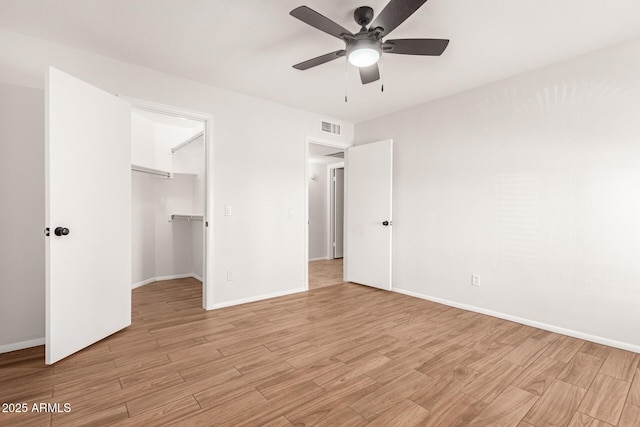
column 258, row 162
column 174, row 242
column 318, row 198
column 143, row 228
column 534, row 184
column 22, row 288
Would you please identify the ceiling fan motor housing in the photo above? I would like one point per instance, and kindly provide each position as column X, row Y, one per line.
column 363, row 15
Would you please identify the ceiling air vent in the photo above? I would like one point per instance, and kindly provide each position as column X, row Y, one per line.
column 331, row 128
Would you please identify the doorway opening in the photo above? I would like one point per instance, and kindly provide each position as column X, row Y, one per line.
column 325, row 214
column 168, row 198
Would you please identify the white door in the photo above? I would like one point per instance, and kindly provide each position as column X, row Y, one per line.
column 88, row 196
column 338, row 212
column 368, row 214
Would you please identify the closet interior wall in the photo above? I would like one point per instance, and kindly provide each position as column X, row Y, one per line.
column 163, row 248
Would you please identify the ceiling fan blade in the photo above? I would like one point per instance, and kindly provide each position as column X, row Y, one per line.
column 395, row 13
column 321, row 22
column 369, row 74
column 319, row 60
column 432, row 47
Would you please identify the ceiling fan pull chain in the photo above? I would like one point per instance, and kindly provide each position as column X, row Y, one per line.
column 381, row 75
column 346, row 74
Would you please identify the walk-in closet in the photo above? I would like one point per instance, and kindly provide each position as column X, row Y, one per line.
column 168, row 197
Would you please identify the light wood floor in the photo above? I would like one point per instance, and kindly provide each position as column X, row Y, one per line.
column 339, row 355
column 325, row 273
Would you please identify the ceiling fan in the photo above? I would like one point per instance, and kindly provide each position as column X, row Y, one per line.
column 363, row 49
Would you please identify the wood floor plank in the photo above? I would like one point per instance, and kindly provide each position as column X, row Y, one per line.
column 539, row 375
column 29, row 419
column 634, row 392
column 507, row 409
column 226, row 390
column 276, row 407
column 404, row 413
column 392, row 369
column 526, row 353
column 165, row 414
column 458, row 411
column 556, row 406
column 582, row 420
column 338, row 355
column 620, row 364
column 605, row 399
column 344, row 418
column 596, row 350
column 491, row 383
column 157, row 398
column 437, row 394
column 390, row 394
column 223, row 413
column 581, row 370
column 362, row 366
column 630, row 416
column 563, row 348
column 332, row 402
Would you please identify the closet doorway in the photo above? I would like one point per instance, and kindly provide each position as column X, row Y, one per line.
column 168, row 198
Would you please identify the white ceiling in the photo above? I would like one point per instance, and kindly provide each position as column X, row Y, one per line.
column 249, row 46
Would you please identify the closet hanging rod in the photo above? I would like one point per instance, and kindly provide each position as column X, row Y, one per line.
column 186, row 217
column 150, row 171
column 187, row 142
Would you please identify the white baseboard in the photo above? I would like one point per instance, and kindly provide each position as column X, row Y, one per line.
column 324, row 258
column 528, row 322
column 254, row 299
column 160, row 278
column 144, row 282
column 174, row 276
column 6, row 348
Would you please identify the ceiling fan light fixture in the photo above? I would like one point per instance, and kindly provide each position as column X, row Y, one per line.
column 364, row 53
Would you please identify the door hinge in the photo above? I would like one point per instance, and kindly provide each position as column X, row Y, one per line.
column 47, row 232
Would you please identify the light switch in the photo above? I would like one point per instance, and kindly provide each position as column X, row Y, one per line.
column 227, row 210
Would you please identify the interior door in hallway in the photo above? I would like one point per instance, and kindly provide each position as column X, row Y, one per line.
column 337, row 212
column 88, row 214
column 368, row 184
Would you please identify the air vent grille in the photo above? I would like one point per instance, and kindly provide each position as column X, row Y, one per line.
column 331, row 128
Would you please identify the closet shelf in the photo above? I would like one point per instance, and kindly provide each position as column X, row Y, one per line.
column 151, row 171
column 175, row 217
column 187, row 142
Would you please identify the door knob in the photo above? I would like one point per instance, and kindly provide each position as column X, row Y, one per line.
column 61, row 231
column 386, row 223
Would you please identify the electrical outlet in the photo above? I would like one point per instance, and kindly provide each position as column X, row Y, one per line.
column 475, row 280
column 229, row 276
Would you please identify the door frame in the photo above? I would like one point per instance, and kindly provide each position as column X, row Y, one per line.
column 207, row 121
column 331, row 221
column 328, row 143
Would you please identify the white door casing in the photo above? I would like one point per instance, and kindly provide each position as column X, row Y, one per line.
column 368, row 195
column 88, row 191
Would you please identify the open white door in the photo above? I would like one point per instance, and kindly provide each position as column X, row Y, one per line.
column 88, row 196
column 368, row 214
